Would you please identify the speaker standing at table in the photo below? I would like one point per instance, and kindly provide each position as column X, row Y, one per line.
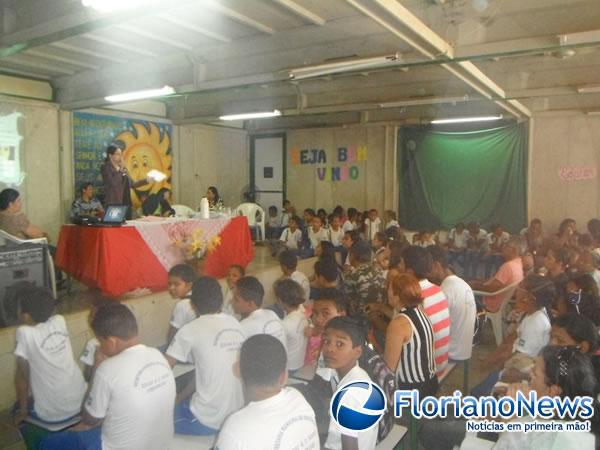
column 116, row 179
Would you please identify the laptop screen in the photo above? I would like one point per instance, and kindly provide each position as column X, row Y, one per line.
column 115, row 214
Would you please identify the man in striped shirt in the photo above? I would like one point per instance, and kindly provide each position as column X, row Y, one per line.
column 418, row 261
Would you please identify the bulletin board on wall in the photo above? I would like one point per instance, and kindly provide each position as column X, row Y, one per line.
column 146, row 145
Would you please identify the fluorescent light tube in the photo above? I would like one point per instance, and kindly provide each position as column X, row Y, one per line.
column 139, row 95
column 466, row 119
column 350, row 65
column 588, row 89
column 113, row 5
column 256, row 115
column 426, row 101
column 593, row 113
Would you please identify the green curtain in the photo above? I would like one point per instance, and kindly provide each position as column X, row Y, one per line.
column 450, row 177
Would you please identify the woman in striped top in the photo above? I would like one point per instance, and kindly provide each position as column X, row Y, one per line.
column 409, row 339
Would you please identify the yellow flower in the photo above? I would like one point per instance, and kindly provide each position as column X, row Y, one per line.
column 214, row 243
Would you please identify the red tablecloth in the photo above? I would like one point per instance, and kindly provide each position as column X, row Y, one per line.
column 117, row 260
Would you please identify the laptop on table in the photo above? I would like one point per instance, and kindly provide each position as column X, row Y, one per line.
column 114, row 216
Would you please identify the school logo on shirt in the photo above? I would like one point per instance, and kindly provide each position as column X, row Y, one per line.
column 346, row 414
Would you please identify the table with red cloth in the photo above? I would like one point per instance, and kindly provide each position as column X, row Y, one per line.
column 118, row 260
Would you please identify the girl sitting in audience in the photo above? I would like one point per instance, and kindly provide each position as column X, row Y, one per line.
column 533, row 237
column 567, row 234
column 291, row 238
column 555, row 262
column 316, row 234
column 409, row 338
column 290, row 296
column 322, row 214
column 558, row 372
column 351, row 221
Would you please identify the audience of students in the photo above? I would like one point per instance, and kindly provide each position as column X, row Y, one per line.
column 385, row 297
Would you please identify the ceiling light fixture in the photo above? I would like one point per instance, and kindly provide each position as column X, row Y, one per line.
column 113, row 5
column 350, row 65
column 139, row 95
column 256, row 115
column 593, row 113
column 466, row 119
column 425, row 101
column 588, row 89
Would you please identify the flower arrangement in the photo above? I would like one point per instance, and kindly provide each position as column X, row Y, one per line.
column 195, row 244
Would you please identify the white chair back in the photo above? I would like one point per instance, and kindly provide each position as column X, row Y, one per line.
column 251, row 211
column 183, row 211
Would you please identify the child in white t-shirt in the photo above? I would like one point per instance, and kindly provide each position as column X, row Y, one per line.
column 372, row 224
column 291, row 297
column 248, row 299
column 130, row 404
column 273, row 223
column 275, row 416
column 288, row 262
column 390, row 219
column 336, row 232
column 210, row 342
column 234, row 273
column 181, row 279
column 351, row 222
column 290, row 238
column 46, row 369
column 316, row 233
column 342, row 347
column 91, row 355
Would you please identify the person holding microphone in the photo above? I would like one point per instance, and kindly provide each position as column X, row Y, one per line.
column 116, row 179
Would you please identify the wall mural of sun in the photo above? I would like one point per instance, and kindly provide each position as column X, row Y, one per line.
column 146, row 144
column 146, row 149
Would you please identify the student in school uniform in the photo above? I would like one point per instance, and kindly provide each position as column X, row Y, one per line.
column 390, row 219
column 343, row 342
column 248, row 299
column 372, row 224
column 91, row 356
column 234, row 273
column 351, row 222
column 275, row 416
column 291, row 238
column 291, row 297
column 130, row 404
column 289, row 263
column 211, row 343
column 316, row 234
column 46, row 369
column 336, row 233
column 181, row 279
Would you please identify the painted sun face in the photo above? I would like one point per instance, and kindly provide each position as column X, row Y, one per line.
column 146, row 150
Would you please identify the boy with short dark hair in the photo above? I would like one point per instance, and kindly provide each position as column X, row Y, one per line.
column 291, row 297
column 288, row 262
column 45, row 364
column 211, row 343
column 248, row 299
column 343, row 342
column 130, row 404
column 181, row 279
column 272, row 408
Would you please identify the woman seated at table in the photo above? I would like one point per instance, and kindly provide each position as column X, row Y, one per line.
column 86, row 205
column 13, row 220
column 158, row 204
column 214, row 199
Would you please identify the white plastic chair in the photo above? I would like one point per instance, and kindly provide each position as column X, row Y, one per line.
column 495, row 318
column 4, row 236
column 183, row 211
column 250, row 210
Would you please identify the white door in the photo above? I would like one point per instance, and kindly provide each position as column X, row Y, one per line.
column 267, row 160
